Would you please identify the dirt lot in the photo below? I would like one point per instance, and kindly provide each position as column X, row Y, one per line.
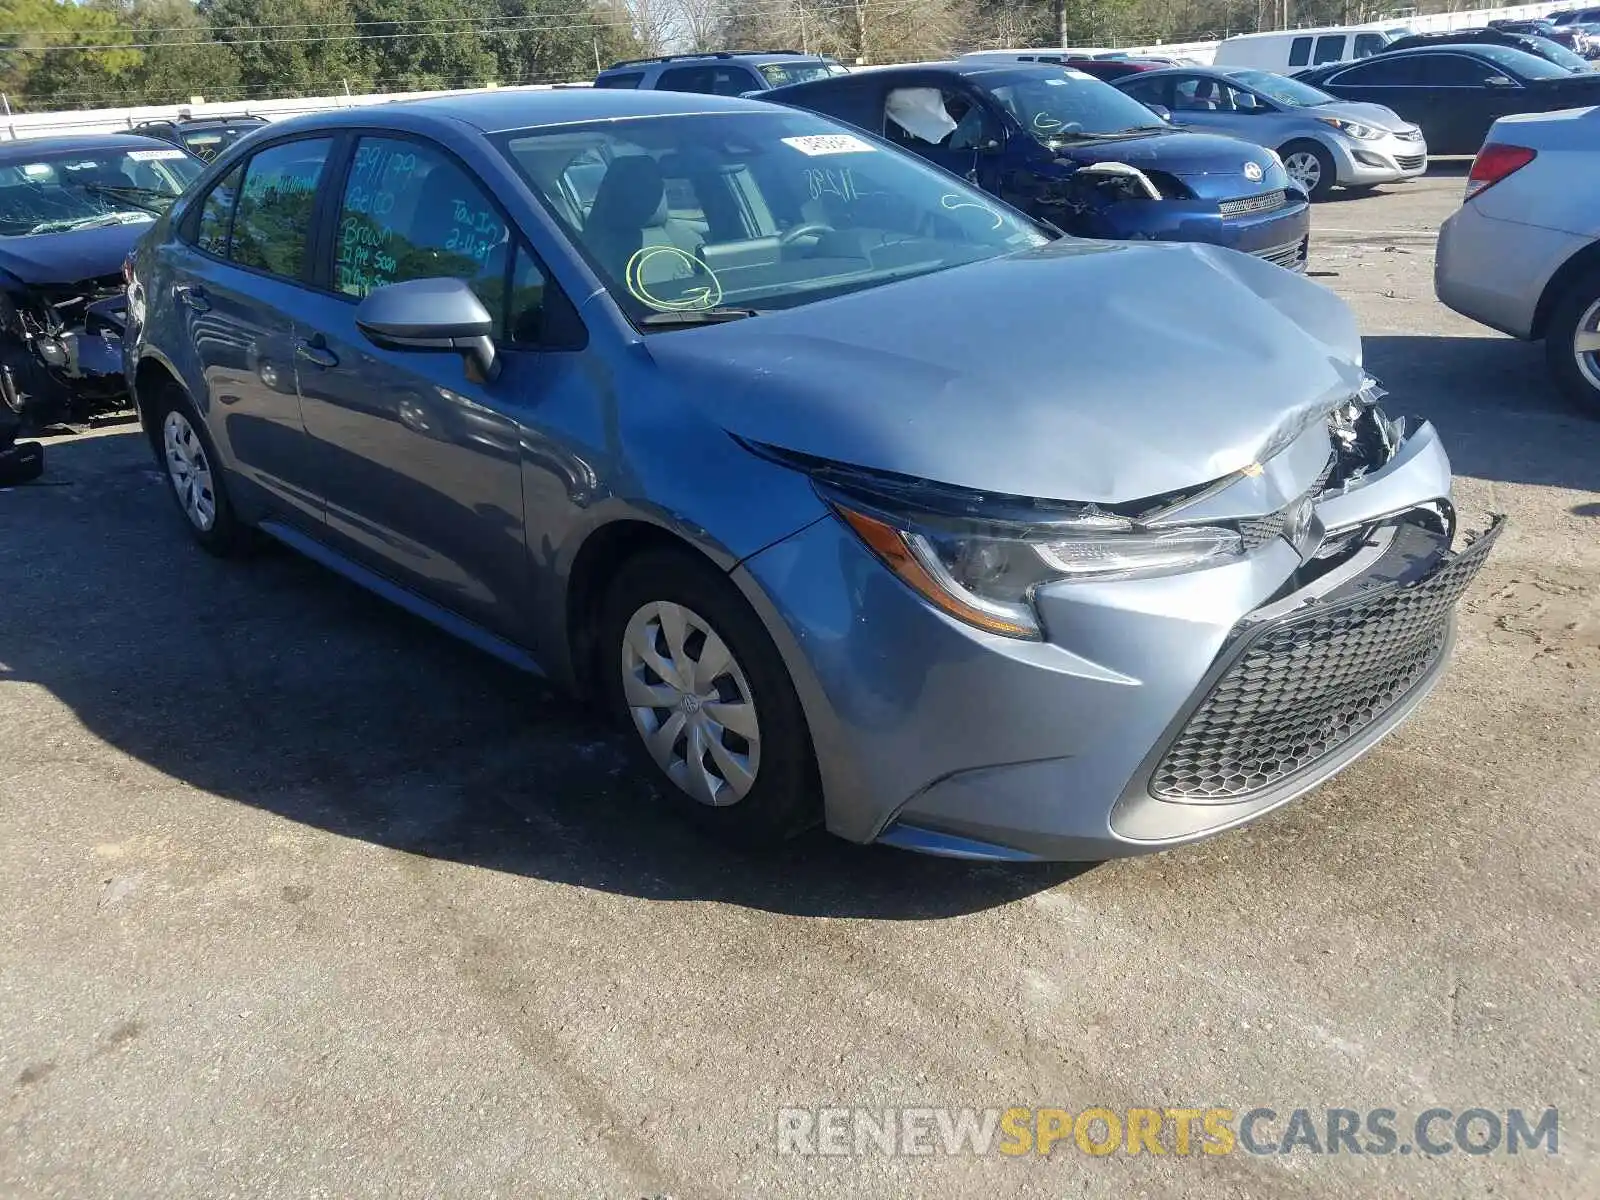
column 304, row 899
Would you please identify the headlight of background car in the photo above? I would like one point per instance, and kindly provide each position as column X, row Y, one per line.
column 986, row 575
column 1354, row 128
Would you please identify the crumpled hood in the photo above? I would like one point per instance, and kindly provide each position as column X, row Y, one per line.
column 1367, row 114
column 1180, row 153
column 1092, row 371
column 47, row 258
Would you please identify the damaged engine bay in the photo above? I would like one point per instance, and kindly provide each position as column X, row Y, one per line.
column 70, row 210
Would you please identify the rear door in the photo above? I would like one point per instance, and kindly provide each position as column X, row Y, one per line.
column 1392, row 80
column 235, row 279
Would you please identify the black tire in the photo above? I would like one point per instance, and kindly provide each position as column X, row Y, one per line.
column 1328, row 178
column 1559, row 334
column 784, row 799
column 225, row 535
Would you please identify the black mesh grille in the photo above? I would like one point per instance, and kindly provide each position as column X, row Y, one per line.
column 1258, row 532
column 1245, row 205
column 1303, row 686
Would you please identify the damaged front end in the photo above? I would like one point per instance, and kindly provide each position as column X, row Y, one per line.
column 61, row 350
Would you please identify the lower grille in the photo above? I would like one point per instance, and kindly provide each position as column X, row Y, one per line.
column 1250, row 205
column 1298, row 689
column 1410, row 162
column 1291, row 254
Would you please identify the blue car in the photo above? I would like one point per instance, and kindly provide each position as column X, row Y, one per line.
column 851, row 493
column 1072, row 150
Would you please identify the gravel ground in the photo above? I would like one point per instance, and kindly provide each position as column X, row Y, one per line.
column 304, row 899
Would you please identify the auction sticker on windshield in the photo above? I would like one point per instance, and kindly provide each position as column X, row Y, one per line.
column 816, row 144
column 157, row 155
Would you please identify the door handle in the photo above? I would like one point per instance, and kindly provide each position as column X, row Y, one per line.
column 192, row 297
column 313, row 351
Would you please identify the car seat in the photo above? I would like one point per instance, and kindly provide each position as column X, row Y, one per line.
column 630, row 213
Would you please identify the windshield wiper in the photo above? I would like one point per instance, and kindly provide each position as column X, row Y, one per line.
column 130, row 194
column 698, row 316
column 93, row 221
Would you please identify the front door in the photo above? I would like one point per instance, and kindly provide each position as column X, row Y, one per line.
column 952, row 127
column 237, row 288
column 421, row 465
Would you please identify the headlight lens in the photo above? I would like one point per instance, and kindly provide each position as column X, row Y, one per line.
column 1354, row 128
column 988, row 578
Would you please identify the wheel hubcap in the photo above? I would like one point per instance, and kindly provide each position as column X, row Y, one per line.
column 1304, row 169
column 189, row 470
column 1586, row 345
column 691, row 703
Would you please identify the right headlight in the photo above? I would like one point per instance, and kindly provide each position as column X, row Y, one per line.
column 986, row 574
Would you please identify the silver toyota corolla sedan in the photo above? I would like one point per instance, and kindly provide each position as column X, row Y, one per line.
column 856, row 496
column 1324, row 142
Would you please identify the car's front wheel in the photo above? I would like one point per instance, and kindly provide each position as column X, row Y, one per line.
column 688, row 666
column 194, row 473
column 1312, row 167
column 1572, row 342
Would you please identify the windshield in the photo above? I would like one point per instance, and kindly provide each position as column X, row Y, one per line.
column 1066, row 105
column 784, row 73
column 1559, row 54
column 716, row 213
column 1529, row 66
column 1281, row 88
column 62, row 191
column 207, row 143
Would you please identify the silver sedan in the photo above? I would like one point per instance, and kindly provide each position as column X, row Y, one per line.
column 1324, row 142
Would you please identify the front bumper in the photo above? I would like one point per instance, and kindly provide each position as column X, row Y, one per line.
column 1380, row 160
column 938, row 737
column 1272, row 234
column 74, row 368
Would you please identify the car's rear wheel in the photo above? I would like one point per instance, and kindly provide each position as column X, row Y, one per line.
column 194, row 473
column 1309, row 165
column 1572, row 343
column 687, row 664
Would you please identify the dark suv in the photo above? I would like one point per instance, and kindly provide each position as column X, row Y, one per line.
column 725, row 73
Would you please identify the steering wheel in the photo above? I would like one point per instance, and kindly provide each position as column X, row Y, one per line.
column 790, row 236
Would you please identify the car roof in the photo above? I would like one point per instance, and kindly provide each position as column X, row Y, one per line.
column 758, row 57
column 70, row 143
column 522, row 108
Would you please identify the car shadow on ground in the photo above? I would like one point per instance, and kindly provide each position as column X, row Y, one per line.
column 274, row 683
column 1499, row 413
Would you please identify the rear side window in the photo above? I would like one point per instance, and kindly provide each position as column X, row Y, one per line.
column 216, row 215
column 272, row 219
column 1300, row 52
column 623, row 79
column 1330, row 48
column 1381, row 70
column 716, row 81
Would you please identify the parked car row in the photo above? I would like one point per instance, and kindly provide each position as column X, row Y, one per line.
column 783, row 443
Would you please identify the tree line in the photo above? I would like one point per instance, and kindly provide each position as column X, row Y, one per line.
column 58, row 54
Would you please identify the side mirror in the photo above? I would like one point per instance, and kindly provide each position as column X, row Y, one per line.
column 432, row 314
column 1499, row 81
column 1160, row 110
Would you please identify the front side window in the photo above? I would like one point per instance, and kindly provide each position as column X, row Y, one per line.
column 1368, row 44
column 272, row 220
column 60, row 191
column 756, row 210
column 409, row 212
column 920, row 118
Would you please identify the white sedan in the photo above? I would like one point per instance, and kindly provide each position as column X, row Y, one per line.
column 1522, row 254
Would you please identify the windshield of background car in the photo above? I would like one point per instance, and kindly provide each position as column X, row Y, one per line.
column 1529, row 66
column 1281, row 88
column 1056, row 105
column 208, row 142
column 781, row 74
column 1559, row 54
column 62, row 191
column 755, row 210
